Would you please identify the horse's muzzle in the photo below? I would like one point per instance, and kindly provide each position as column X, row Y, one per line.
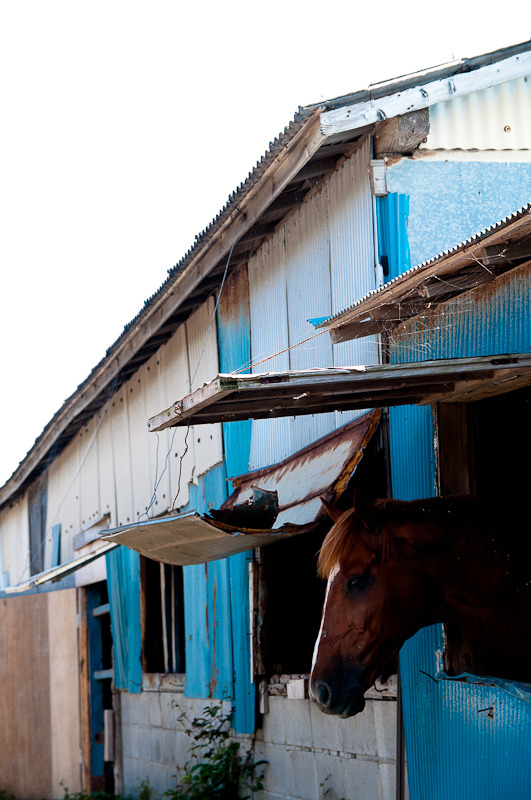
column 340, row 700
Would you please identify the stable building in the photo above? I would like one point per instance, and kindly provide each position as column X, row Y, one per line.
column 354, row 317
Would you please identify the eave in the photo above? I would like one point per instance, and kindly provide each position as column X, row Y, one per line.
column 479, row 260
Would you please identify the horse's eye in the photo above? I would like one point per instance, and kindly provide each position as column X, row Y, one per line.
column 356, row 582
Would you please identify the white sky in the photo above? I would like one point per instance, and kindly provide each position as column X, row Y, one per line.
column 126, row 125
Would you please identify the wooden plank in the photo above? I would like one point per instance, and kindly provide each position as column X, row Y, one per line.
column 349, row 118
column 402, row 134
column 25, row 721
column 64, row 691
column 84, row 685
column 308, row 391
column 163, row 616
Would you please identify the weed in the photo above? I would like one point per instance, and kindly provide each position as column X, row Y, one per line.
column 216, row 770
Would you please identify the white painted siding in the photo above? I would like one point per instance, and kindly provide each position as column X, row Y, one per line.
column 318, row 262
column 204, row 366
column 114, row 464
column 64, row 503
column 14, row 541
column 497, row 118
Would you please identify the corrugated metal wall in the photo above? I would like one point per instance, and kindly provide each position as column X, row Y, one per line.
column 318, row 262
column 462, row 741
column 467, row 123
column 14, row 541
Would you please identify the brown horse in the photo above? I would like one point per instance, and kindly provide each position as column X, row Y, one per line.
column 394, row 567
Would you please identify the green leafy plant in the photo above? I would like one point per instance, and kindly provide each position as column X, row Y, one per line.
column 216, row 770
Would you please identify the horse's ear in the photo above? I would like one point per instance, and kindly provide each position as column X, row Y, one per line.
column 333, row 511
column 364, row 510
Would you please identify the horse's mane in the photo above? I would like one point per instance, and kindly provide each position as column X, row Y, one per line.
column 337, row 543
column 342, row 537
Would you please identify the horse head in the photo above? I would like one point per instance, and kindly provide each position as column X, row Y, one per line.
column 369, row 607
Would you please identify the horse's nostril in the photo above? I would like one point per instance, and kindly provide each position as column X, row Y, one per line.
column 323, row 694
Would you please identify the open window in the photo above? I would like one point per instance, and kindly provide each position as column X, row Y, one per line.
column 163, row 617
column 291, row 596
column 483, row 450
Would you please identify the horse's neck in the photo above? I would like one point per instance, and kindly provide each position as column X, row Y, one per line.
column 475, row 572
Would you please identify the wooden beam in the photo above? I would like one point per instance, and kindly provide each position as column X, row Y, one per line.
column 352, row 117
column 402, row 134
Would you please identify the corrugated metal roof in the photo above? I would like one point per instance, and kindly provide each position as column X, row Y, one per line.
column 267, row 505
column 374, row 311
column 440, row 72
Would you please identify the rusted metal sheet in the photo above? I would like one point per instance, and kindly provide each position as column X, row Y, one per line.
column 476, row 261
column 266, row 506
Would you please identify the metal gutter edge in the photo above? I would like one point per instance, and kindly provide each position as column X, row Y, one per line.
column 56, row 573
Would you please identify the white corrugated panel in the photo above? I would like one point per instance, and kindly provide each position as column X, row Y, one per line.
column 139, row 465
column 64, row 498
column 318, row 262
column 498, row 118
column 270, row 439
column 89, row 474
column 309, row 297
column 175, row 384
column 106, row 468
column 204, row 366
column 119, row 427
column 158, row 444
column 14, row 541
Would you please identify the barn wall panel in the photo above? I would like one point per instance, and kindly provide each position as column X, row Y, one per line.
column 141, row 469
column 271, row 439
column 204, row 366
column 106, row 470
column 352, row 256
column 309, row 296
column 317, row 263
column 14, row 541
column 452, row 198
column 64, row 691
column 25, row 722
column 119, row 426
column 175, row 375
column 64, row 497
column 89, row 473
column 234, row 341
column 158, row 444
column 497, row 118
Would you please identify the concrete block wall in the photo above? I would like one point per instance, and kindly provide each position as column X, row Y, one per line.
column 313, row 756
column 310, row 756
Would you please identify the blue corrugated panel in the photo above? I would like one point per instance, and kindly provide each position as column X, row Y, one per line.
column 207, row 606
column 123, row 582
column 453, row 200
column 234, row 342
column 462, row 741
column 393, row 245
column 492, row 319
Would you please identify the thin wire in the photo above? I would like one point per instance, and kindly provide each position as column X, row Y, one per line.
column 42, row 545
column 181, row 458
column 286, row 350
